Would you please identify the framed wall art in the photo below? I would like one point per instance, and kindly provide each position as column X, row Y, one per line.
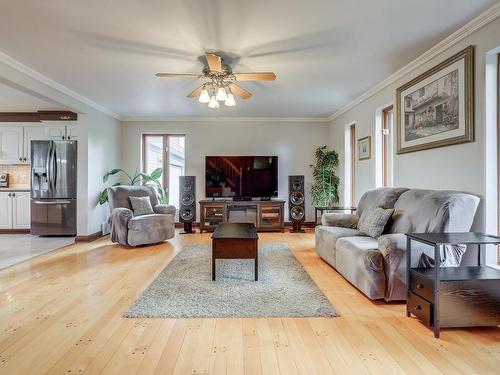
column 436, row 109
column 364, row 148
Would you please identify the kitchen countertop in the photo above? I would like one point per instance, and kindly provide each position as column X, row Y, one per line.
column 16, row 188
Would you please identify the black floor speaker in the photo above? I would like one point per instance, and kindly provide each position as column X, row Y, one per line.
column 187, row 202
column 296, row 202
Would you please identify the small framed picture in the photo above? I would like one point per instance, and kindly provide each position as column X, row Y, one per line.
column 364, row 148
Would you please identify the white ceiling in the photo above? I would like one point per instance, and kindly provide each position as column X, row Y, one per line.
column 15, row 100
column 325, row 52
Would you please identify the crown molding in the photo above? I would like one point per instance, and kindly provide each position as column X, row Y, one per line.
column 222, row 119
column 9, row 61
column 465, row 31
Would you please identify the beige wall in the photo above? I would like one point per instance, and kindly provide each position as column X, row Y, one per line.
column 98, row 152
column 459, row 167
column 293, row 142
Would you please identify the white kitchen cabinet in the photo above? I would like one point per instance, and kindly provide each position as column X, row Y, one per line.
column 15, row 139
column 11, row 144
column 5, row 210
column 15, row 210
column 56, row 132
column 71, row 132
column 32, row 133
column 21, row 210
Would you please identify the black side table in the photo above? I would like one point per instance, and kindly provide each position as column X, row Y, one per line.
column 453, row 296
column 331, row 208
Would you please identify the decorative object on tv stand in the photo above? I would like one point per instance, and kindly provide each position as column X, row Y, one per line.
column 324, row 191
column 437, row 108
column 220, row 83
column 187, row 202
column 138, row 179
column 365, row 148
column 296, row 202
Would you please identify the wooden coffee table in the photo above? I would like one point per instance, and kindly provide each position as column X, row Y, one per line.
column 235, row 241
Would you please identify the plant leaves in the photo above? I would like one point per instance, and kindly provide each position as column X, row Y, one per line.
column 103, row 197
column 324, row 190
column 110, row 173
column 156, row 174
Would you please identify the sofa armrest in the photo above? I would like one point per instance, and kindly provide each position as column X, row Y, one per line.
column 119, row 224
column 164, row 209
column 339, row 220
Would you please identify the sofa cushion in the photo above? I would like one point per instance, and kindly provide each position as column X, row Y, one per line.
column 382, row 197
column 427, row 211
column 360, row 262
column 326, row 238
column 141, row 206
column 372, row 223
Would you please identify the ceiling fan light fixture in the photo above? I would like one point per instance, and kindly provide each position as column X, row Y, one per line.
column 230, row 102
column 213, row 102
column 204, row 97
column 221, row 94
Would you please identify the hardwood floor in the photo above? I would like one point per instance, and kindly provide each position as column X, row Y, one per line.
column 61, row 314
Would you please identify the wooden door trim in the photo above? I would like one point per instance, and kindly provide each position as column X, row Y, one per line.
column 385, row 145
column 352, row 134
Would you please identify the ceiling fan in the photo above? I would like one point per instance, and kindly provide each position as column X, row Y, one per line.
column 220, row 85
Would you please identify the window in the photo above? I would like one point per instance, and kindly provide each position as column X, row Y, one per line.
column 349, row 164
column 387, row 126
column 167, row 152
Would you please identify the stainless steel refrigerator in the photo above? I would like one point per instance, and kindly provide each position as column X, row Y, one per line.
column 53, row 188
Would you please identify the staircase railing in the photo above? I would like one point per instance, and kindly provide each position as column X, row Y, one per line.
column 233, row 174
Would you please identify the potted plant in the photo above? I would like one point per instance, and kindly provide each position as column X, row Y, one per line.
column 324, row 191
column 138, row 179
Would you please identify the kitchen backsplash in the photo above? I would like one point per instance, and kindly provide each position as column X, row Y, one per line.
column 19, row 174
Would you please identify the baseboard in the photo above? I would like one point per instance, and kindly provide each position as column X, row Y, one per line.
column 89, row 238
column 14, row 231
column 305, row 224
column 181, row 225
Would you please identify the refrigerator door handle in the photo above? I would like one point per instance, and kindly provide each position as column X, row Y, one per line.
column 54, row 164
column 52, row 202
column 47, row 165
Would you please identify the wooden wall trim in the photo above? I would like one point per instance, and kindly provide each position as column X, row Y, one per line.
column 90, row 237
column 11, row 231
column 38, row 116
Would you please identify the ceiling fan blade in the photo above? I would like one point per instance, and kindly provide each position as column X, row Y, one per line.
column 214, row 62
column 177, row 75
column 240, row 91
column 263, row 76
column 196, row 92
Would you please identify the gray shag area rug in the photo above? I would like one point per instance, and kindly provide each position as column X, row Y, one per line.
column 184, row 289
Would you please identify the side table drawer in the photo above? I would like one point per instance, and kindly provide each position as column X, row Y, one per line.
column 419, row 307
column 422, row 286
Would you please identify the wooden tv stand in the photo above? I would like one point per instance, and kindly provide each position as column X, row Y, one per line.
column 266, row 215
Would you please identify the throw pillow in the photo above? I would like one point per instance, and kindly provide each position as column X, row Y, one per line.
column 141, row 205
column 372, row 223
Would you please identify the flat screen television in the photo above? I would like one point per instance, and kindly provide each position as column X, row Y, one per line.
column 241, row 176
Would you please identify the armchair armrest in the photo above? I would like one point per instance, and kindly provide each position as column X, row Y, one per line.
column 164, row 209
column 119, row 224
column 339, row 220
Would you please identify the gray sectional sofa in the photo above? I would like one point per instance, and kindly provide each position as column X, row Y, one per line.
column 377, row 266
